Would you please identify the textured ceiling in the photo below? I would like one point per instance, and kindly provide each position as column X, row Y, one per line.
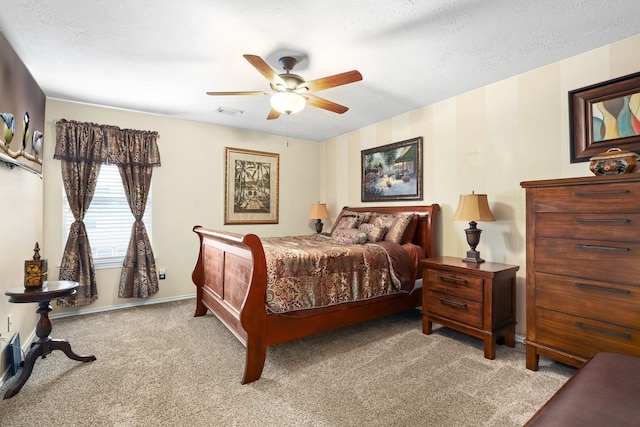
column 161, row 56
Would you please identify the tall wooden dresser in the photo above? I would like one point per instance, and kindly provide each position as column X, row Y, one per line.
column 583, row 268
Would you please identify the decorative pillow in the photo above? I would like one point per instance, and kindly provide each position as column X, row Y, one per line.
column 349, row 236
column 361, row 217
column 410, row 232
column 345, row 222
column 396, row 225
column 374, row 233
column 382, row 220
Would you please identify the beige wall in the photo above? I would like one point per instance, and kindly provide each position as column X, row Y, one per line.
column 187, row 190
column 488, row 141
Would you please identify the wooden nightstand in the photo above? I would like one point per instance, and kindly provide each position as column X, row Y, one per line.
column 477, row 299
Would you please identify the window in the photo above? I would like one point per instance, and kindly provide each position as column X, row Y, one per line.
column 108, row 220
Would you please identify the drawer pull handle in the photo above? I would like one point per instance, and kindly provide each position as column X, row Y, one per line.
column 597, row 193
column 598, row 288
column 451, row 279
column 603, row 248
column 454, row 303
column 604, row 331
column 602, row 220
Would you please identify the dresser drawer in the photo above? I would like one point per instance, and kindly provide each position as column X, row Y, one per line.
column 457, row 309
column 460, row 285
column 609, row 197
column 615, row 227
column 607, row 302
column 594, row 259
column 584, row 337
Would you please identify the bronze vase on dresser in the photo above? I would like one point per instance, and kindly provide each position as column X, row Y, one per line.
column 583, row 268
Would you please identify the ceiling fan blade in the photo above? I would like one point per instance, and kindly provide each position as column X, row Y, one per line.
column 264, row 69
column 273, row 114
column 326, row 104
column 255, row 92
column 333, row 81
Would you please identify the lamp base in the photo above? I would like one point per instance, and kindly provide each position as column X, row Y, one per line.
column 473, row 256
column 319, row 225
column 473, row 238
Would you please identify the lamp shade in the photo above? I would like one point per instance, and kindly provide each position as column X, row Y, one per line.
column 287, row 102
column 473, row 207
column 318, row 211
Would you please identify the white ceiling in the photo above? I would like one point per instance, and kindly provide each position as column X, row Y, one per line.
column 161, row 56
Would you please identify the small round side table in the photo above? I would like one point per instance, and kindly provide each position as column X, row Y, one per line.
column 44, row 344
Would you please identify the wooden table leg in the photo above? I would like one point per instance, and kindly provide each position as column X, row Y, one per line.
column 489, row 346
column 532, row 357
column 43, row 346
column 510, row 337
column 427, row 325
column 65, row 347
column 35, row 352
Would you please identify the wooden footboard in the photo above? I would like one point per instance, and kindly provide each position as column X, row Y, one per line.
column 231, row 280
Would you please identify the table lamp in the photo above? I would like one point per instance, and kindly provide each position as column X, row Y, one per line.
column 319, row 212
column 473, row 207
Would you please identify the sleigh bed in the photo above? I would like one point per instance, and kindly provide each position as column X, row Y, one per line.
column 244, row 282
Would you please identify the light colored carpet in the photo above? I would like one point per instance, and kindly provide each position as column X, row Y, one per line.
column 159, row 365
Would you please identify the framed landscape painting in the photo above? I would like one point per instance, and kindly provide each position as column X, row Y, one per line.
column 392, row 172
column 251, row 187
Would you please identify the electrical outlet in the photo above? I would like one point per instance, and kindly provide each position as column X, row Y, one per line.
column 162, row 274
column 9, row 323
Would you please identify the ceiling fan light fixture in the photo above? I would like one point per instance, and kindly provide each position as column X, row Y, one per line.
column 287, row 102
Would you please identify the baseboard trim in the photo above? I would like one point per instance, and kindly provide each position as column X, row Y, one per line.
column 120, row 306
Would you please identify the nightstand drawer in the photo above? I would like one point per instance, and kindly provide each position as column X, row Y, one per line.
column 460, row 285
column 457, row 309
column 582, row 336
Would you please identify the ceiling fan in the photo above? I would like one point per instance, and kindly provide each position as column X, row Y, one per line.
column 290, row 92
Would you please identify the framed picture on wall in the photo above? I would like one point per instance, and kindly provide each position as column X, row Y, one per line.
column 392, row 172
column 251, row 187
column 603, row 116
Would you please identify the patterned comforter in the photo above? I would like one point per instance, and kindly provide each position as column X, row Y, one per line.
column 306, row 272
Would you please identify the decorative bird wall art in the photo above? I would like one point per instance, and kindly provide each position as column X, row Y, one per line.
column 25, row 130
column 36, row 143
column 30, row 148
column 8, row 127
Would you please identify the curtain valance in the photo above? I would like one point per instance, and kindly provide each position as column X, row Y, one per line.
column 94, row 143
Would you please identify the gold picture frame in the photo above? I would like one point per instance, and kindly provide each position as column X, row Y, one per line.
column 251, row 187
